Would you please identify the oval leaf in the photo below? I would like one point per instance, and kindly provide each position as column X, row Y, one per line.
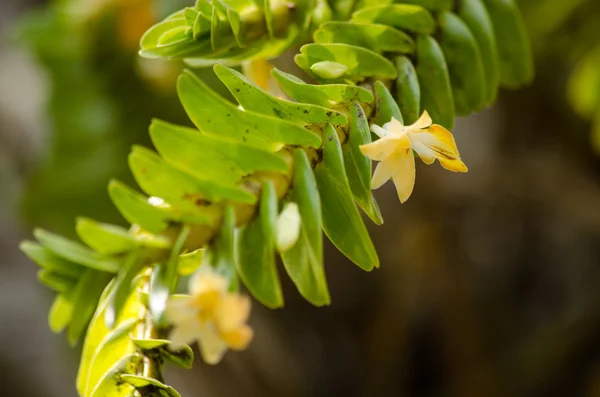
column 342, row 222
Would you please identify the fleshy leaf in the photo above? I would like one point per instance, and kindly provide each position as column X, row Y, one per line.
column 136, row 209
column 361, row 62
column 50, row 261
column 378, row 38
column 226, row 121
column 104, row 238
column 325, row 95
column 304, row 261
column 342, row 222
column 255, row 99
column 385, row 105
column 75, row 252
column 256, row 252
column 408, row 17
column 85, row 297
column 208, row 157
column 358, row 167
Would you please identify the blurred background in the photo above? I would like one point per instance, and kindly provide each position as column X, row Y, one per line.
column 489, row 284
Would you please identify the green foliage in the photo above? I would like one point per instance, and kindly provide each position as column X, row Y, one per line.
column 215, row 191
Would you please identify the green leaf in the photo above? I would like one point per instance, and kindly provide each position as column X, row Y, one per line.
column 139, row 381
column 55, row 281
column 122, row 287
column 49, row 261
column 164, row 279
column 434, row 81
column 61, row 312
column 225, row 120
column 150, row 344
column 136, row 209
column 361, row 62
column 104, row 238
column 411, row 18
column 378, row 38
column 75, row 252
column 255, row 99
column 220, row 254
column 159, row 179
column 190, row 262
column 104, row 347
column 326, row 95
column 358, row 166
column 208, row 157
column 111, row 384
column 342, row 222
column 385, row 106
column 304, row 261
column 408, row 91
column 85, row 297
column 184, row 357
column 256, row 252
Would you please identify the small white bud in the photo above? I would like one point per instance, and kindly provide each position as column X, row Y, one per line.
column 288, row 227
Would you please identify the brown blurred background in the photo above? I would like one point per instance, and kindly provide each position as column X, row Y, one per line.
column 489, row 283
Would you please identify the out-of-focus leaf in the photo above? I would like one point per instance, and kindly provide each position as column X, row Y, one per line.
column 164, row 278
column 75, row 252
column 304, row 261
column 122, row 287
column 221, row 253
column 111, row 384
column 209, row 157
column 85, row 296
column 342, row 222
column 150, row 344
column 255, row 99
column 325, row 95
column 358, row 166
column 103, row 347
column 49, row 261
column 184, row 357
column 61, row 312
column 255, row 252
column 190, row 262
column 226, row 121
column 55, row 281
column 136, row 209
column 104, row 238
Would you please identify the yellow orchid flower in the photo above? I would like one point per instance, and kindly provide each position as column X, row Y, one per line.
column 212, row 315
column 394, row 151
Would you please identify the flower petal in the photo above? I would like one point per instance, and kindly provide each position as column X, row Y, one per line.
column 211, row 346
column 395, row 127
column 180, row 310
column 205, row 279
column 383, row 173
column 232, row 312
column 184, row 334
column 435, row 142
column 238, row 339
column 424, row 122
column 384, row 147
column 404, row 174
column 379, row 131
